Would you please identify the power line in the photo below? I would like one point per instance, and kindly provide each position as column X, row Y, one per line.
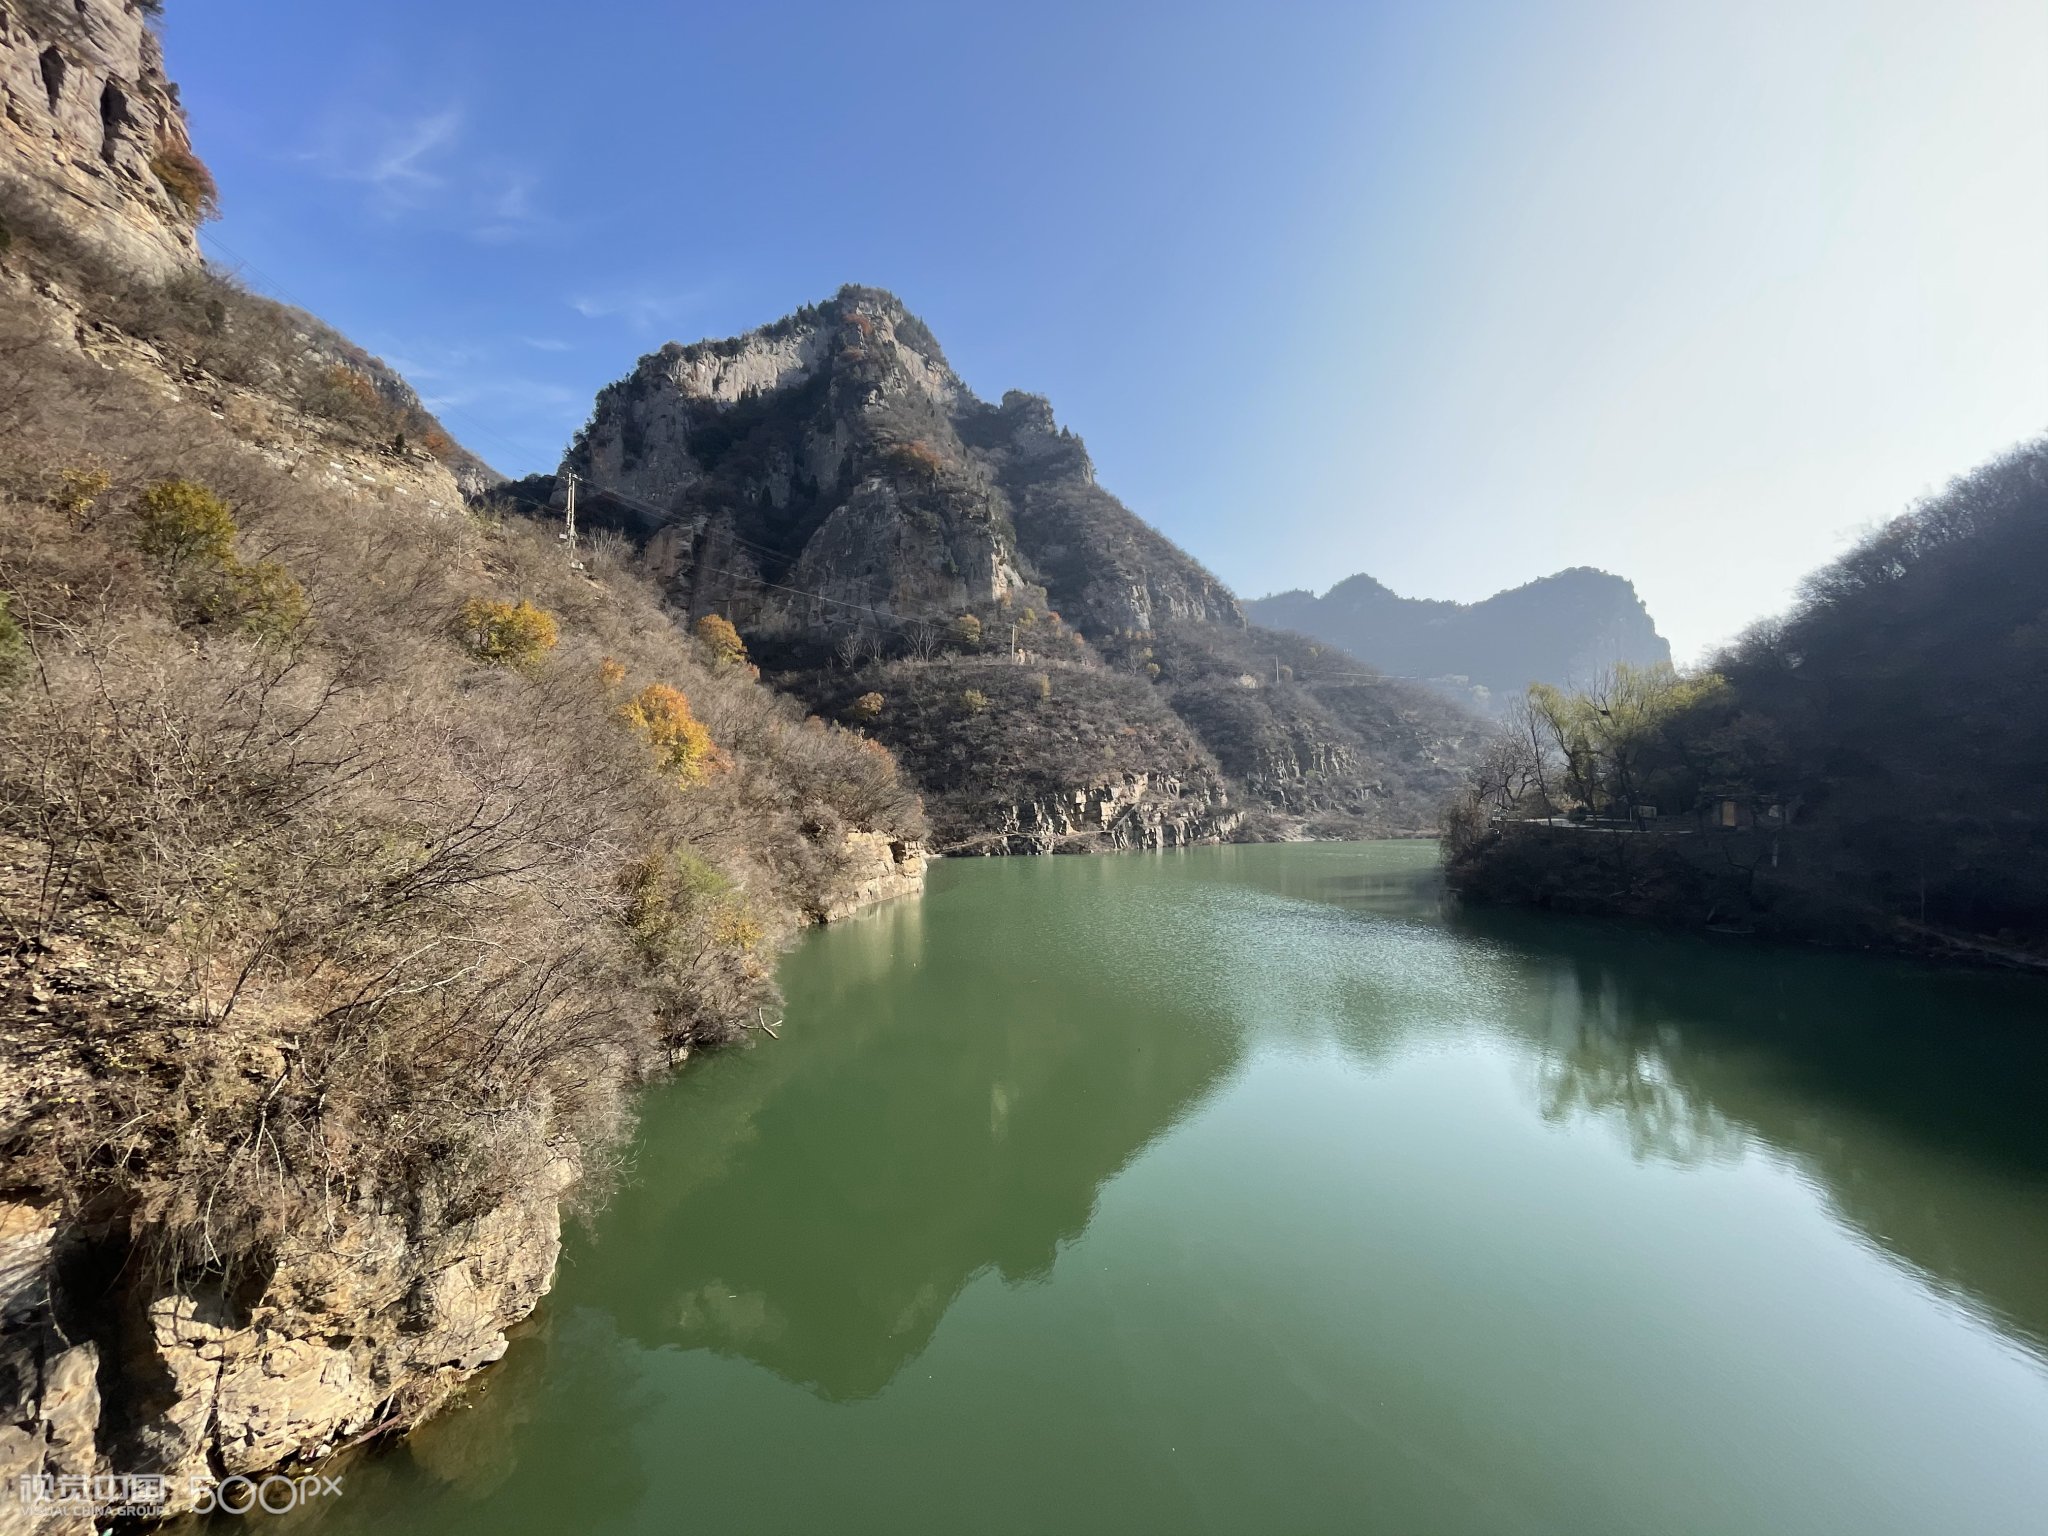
column 867, row 610
column 243, row 267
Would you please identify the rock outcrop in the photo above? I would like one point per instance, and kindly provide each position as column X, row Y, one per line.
column 49, row 1380
column 89, row 121
column 113, row 1366
column 372, row 1329
column 1132, row 811
column 877, row 868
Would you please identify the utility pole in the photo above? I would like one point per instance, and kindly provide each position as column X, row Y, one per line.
column 1015, row 659
column 569, row 516
column 1276, row 671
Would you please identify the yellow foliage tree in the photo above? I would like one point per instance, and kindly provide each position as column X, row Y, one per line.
column 1606, row 735
column 264, row 599
column 508, row 634
column 78, row 488
column 722, row 640
column 190, row 533
column 181, row 523
column 976, row 701
column 967, row 630
column 867, row 707
column 660, row 716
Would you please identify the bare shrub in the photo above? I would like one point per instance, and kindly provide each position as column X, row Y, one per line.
column 408, row 928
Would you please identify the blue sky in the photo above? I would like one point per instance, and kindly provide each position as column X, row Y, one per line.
column 1456, row 294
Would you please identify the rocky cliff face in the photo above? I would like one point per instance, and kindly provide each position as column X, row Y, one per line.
column 829, row 484
column 190, row 1386
column 89, row 122
column 814, row 455
column 1560, row 629
column 836, row 452
column 112, row 1364
column 874, row 868
column 1130, row 811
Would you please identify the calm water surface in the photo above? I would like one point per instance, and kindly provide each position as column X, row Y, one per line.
column 1246, row 1190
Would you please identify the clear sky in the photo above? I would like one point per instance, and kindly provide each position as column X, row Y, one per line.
column 1455, row 294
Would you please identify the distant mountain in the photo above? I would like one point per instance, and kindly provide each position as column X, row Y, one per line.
column 1558, row 629
column 946, row 572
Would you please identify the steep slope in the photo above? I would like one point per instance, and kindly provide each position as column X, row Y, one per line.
column 357, row 854
column 1559, row 629
column 883, row 539
column 1865, row 769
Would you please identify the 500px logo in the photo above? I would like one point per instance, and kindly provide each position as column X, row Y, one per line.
column 274, row 1495
column 144, row 1494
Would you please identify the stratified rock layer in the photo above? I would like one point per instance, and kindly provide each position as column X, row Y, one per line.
column 87, row 116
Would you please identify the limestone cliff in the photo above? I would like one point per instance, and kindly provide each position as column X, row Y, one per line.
column 874, row 867
column 829, row 484
column 88, row 120
column 1130, row 811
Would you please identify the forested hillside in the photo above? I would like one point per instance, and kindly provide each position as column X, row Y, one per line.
column 1876, row 752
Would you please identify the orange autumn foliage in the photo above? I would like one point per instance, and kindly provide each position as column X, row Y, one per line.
column 660, row 716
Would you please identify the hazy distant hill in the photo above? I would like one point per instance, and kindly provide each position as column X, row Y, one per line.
column 1557, row 629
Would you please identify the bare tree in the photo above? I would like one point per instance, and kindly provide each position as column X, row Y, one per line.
column 857, row 646
column 925, row 638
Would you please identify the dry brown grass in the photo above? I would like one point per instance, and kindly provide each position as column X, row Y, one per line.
column 413, row 924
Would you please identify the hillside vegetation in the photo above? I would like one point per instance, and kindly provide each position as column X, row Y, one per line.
column 357, row 855
column 1878, row 750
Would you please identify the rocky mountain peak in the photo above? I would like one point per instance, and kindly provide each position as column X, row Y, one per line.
column 858, row 328
column 898, row 551
column 836, row 452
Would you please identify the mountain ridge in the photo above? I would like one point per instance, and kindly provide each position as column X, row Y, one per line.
column 832, row 487
column 1560, row 629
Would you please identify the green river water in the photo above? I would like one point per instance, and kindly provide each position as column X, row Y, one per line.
column 1248, row 1190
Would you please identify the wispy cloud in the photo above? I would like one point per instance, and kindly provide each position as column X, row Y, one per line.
column 401, row 166
column 640, row 308
column 414, row 165
column 490, row 407
column 498, row 391
column 504, row 200
column 544, row 343
column 397, row 158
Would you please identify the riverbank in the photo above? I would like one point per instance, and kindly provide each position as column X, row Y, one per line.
column 1748, row 882
column 311, row 1341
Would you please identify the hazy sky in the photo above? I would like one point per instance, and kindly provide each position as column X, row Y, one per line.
column 1454, row 294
